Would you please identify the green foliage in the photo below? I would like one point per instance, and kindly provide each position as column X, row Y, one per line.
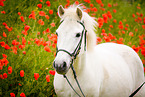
column 37, row 59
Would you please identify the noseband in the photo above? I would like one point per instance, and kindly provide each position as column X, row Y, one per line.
column 73, row 56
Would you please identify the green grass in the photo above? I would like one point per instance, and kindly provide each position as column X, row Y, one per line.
column 36, row 59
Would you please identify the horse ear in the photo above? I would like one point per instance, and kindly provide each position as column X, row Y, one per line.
column 60, row 11
column 79, row 13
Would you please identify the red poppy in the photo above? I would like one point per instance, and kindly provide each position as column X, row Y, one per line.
column 131, row 34
column 4, row 56
column 47, row 78
column 46, row 48
column 36, row 76
column 14, row 42
column 4, row 34
column 99, row 1
column 41, row 13
column 114, row 10
column 26, row 28
column 100, row 22
column 133, row 15
column 48, row 3
column 23, row 41
column 46, row 16
column 105, row 17
column 39, row 5
column 5, row 75
column 19, row 13
column 24, row 52
column 52, row 72
column 22, row 73
column 41, row 22
column 1, row 3
column 99, row 39
column 32, row 15
column 109, row 5
column 77, row 2
column 47, row 30
column 9, row 70
column 12, row 94
column 52, row 24
column 7, row 47
column 22, row 19
column 3, row 12
column 22, row 95
column 14, row 48
column 103, row 30
column 2, row 44
column 41, row 0
column 50, row 11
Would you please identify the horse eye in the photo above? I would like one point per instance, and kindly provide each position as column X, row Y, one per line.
column 78, row 35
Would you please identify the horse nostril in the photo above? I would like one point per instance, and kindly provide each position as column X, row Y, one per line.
column 64, row 65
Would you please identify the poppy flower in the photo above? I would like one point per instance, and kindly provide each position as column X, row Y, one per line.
column 4, row 34
column 9, row 70
column 52, row 72
column 109, row 5
column 2, row 44
column 131, row 34
column 39, row 5
column 133, row 15
column 26, row 28
column 5, row 75
column 36, row 76
column 32, row 15
column 99, row 39
column 4, row 56
column 46, row 48
column 22, row 19
column 14, row 42
column 48, row 3
column 24, row 52
column 12, row 94
column 22, row 73
column 23, row 41
column 52, row 24
column 77, row 2
column 47, row 78
column 3, row 12
column 114, row 10
column 41, row 13
column 19, row 13
column 41, row 22
column 46, row 16
column 50, row 11
column 103, row 30
column 22, row 95
column 99, row 1
column 7, row 47
column 1, row 3
column 47, row 30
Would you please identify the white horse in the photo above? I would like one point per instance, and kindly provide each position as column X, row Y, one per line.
column 104, row 70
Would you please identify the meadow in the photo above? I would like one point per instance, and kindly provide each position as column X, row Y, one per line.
column 28, row 40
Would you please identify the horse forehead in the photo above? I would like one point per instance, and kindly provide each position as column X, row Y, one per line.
column 69, row 27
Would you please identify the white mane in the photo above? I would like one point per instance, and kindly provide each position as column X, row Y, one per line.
column 89, row 22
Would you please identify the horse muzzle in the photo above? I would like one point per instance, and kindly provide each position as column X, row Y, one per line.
column 61, row 68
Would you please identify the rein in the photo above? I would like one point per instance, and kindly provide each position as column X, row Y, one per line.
column 73, row 56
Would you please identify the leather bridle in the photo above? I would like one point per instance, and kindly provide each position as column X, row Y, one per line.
column 74, row 55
